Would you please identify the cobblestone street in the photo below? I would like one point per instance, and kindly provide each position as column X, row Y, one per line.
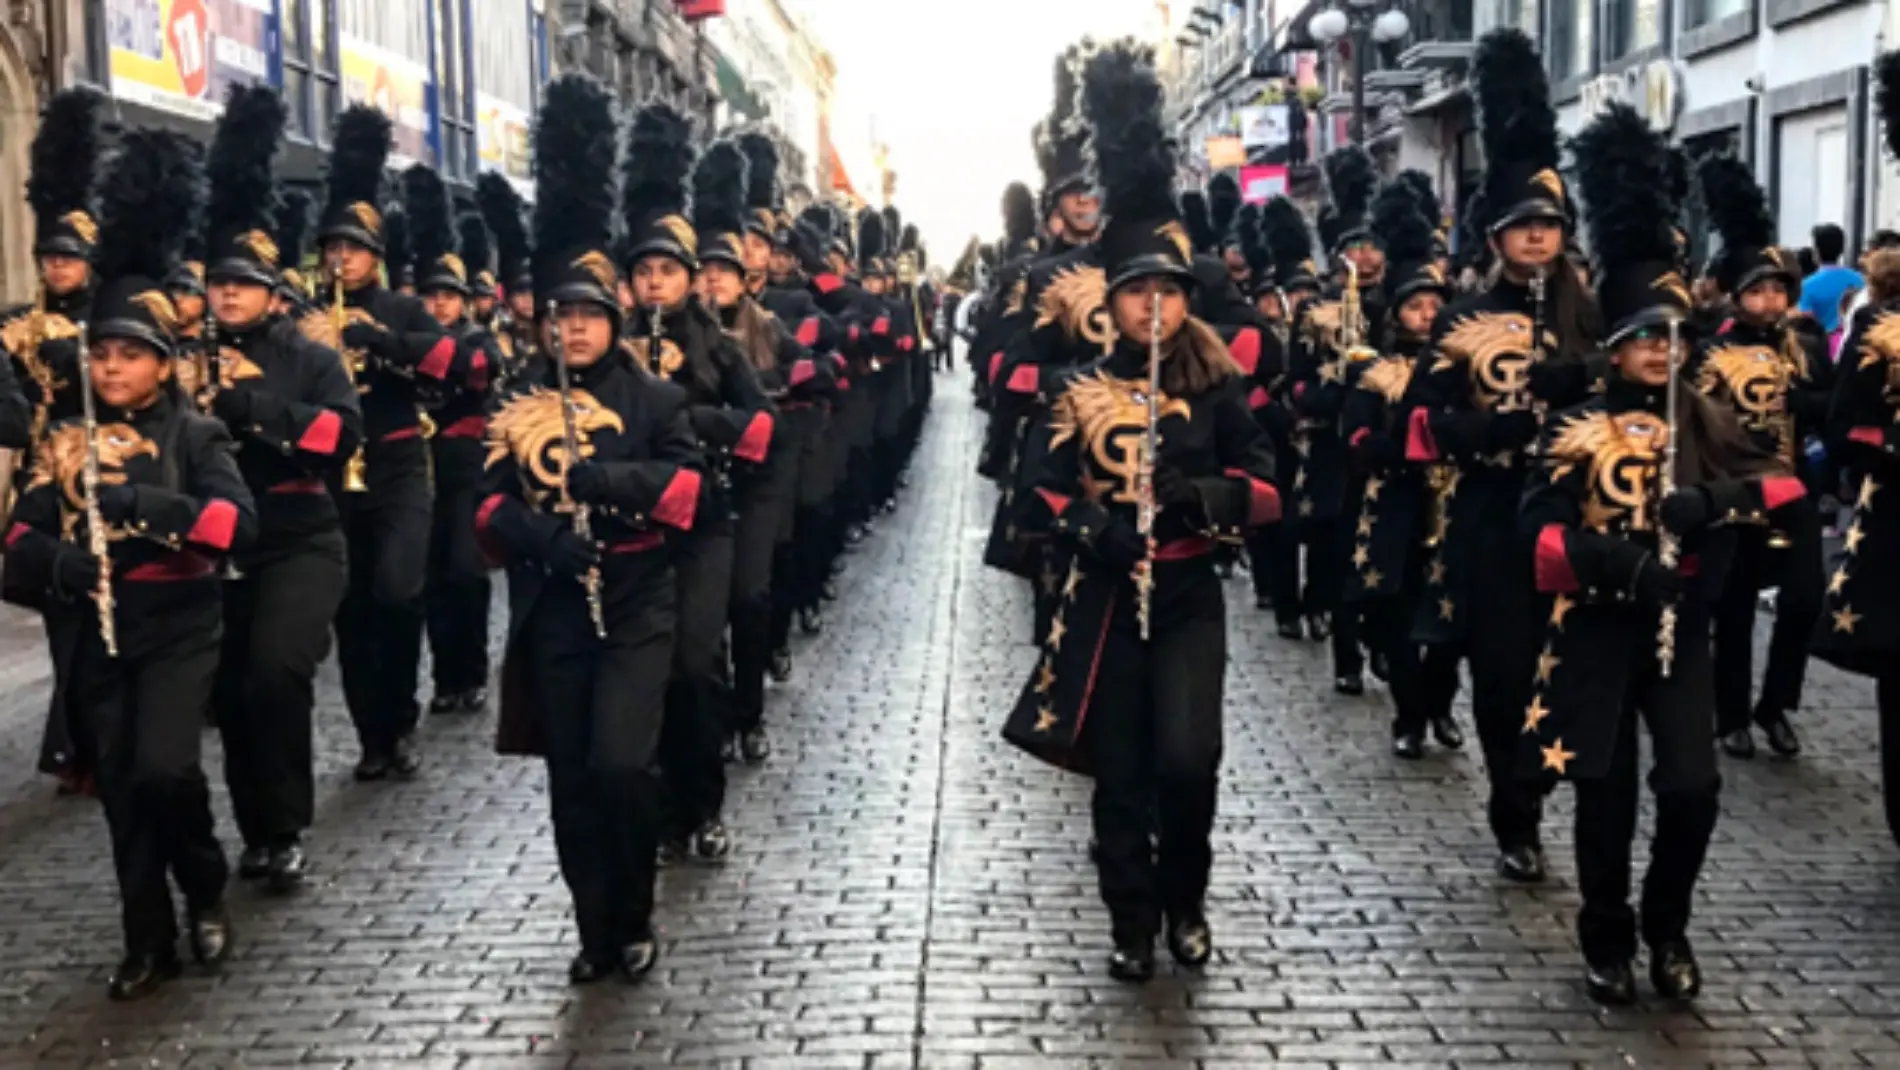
column 907, row 891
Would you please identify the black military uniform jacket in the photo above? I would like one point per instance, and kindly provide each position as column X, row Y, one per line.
column 459, row 410
column 192, row 509
column 290, row 405
column 46, row 373
column 1316, row 389
column 1388, row 493
column 1776, row 380
column 1859, row 629
column 1082, row 496
column 1592, row 507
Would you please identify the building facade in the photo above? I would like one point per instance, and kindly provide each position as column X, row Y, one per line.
column 644, row 49
column 1238, row 100
column 772, row 70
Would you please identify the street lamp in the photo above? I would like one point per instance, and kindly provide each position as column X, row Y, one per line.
column 1364, row 24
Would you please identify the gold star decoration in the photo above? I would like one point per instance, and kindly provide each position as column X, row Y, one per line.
column 1446, row 607
column 1306, row 507
column 1844, row 620
column 1365, row 524
column 1045, row 719
column 1437, row 578
column 1867, row 490
column 1373, row 576
column 1069, row 585
column 1373, row 487
column 1535, row 713
column 1056, row 631
column 1854, row 535
column 1556, row 757
column 1361, row 555
column 1838, row 581
column 1558, row 609
column 1547, row 663
column 1045, row 678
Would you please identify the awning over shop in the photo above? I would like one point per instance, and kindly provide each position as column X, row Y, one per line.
column 734, row 91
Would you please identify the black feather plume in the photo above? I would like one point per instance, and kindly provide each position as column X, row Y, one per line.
column 656, row 163
column 1351, row 179
column 1421, row 186
column 1623, row 176
column 1283, row 229
column 761, row 153
column 359, row 150
column 243, row 149
column 501, row 210
column 151, row 197
column 1194, row 217
column 1131, row 155
column 477, row 255
column 1019, row 214
column 1253, row 244
column 908, row 243
column 398, row 252
column 1402, row 228
column 1516, row 122
column 574, row 143
column 1736, row 205
column 1887, row 98
column 719, row 190
column 871, row 236
column 67, row 152
column 893, row 223
column 1223, row 203
column 1065, row 105
column 425, row 201
column 291, row 225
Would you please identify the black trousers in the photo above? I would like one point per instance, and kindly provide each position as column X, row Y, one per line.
column 276, row 632
column 697, row 699
column 601, row 706
column 1154, row 743
column 379, row 625
column 1506, row 632
column 1797, row 571
column 749, row 600
column 144, row 715
column 1388, row 630
column 458, row 591
column 1263, row 562
column 1678, row 713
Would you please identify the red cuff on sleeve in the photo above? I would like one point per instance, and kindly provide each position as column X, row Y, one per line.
column 807, row 333
column 881, row 325
column 1058, row 503
column 435, row 363
column 844, row 384
column 1259, row 398
column 478, row 372
column 1023, row 379
column 323, row 434
column 14, row 533
column 756, row 439
column 679, row 501
column 1777, row 491
column 1263, row 502
column 216, row 525
column 827, row 283
column 1245, row 349
column 1299, row 391
column 803, row 372
column 838, row 360
column 996, row 365
column 853, row 336
column 1419, row 444
column 1359, row 436
column 492, row 552
column 906, row 343
column 1554, row 574
column 1867, row 436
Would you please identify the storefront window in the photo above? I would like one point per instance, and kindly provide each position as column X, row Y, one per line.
column 1572, row 38
column 1702, row 12
column 1634, row 25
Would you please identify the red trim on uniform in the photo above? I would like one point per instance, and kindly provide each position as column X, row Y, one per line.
column 1058, row 503
column 1867, row 436
column 1184, row 549
column 15, row 532
column 216, row 525
column 1727, row 325
column 1095, row 667
column 838, row 360
column 474, row 425
column 906, row 343
column 402, row 433
column 323, row 434
column 637, row 544
column 440, row 357
column 827, row 283
column 491, row 550
column 1299, row 391
column 1023, row 379
column 1259, row 399
column 807, row 333
column 478, row 371
column 306, row 485
column 176, row 567
column 679, row 502
column 844, row 383
column 1263, row 502
column 756, row 439
column 803, row 371
column 1245, row 349
column 1419, row 443
column 1777, row 491
column 1359, row 436
column 853, row 334
column 881, row 325
column 1554, row 574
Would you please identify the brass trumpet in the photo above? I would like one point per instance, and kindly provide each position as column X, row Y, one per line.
column 89, row 490
column 355, row 470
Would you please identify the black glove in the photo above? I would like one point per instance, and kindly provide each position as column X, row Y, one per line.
column 567, row 554
column 1511, row 430
column 1687, row 510
column 118, row 503
column 1173, row 489
column 75, row 572
column 369, row 337
column 588, row 482
column 1657, row 584
column 1559, row 381
column 1119, row 546
column 709, row 422
column 233, row 407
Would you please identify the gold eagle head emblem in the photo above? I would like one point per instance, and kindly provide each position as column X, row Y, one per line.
column 1550, row 182
column 681, row 231
column 261, row 246
column 453, row 264
column 1176, row 235
column 159, row 307
column 367, row 216
column 82, row 224
column 600, row 266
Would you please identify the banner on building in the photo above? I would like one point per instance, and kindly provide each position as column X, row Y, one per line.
column 1265, row 126
column 182, row 56
column 694, row 10
column 1225, row 152
column 1262, row 182
column 501, row 137
column 398, row 87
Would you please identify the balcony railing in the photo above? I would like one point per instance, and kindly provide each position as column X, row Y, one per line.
column 1443, row 35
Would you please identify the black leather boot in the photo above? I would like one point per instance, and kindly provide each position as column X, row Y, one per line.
column 140, row 975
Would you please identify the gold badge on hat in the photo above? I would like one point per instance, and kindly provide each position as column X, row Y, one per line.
column 681, row 231
column 82, row 225
column 596, row 263
column 1672, row 284
column 368, row 216
column 159, row 307
column 1550, row 182
column 261, row 246
column 1176, row 235
column 455, row 266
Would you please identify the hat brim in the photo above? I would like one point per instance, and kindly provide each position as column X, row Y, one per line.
column 238, row 270
column 1646, row 318
column 1527, row 211
column 119, row 327
column 1152, row 266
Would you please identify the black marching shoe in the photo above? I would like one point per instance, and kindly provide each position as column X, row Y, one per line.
column 1380, row 666
column 444, row 703
column 638, row 958
column 475, row 701
column 1290, row 629
column 1522, row 865
column 828, row 592
column 1446, row 731
column 586, row 969
column 1263, row 602
column 140, row 975
column 753, row 746
column 1134, row 963
column 403, row 760
column 812, row 621
column 254, row 863
column 1613, row 986
column 1674, row 972
column 780, row 668
column 669, row 851
column 1190, row 941
column 1780, row 732
column 286, row 867
column 1353, row 684
column 1408, row 745
column 854, row 535
column 729, row 750
column 1319, row 627
column 1739, row 743
column 210, row 933
column 710, row 842
column 372, row 766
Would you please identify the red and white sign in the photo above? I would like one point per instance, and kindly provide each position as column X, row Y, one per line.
column 1262, row 182
column 694, row 10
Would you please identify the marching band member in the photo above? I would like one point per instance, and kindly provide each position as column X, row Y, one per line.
column 515, row 316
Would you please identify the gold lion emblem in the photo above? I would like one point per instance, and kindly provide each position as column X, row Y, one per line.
column 1387, row 377
column 1880, row 344
column 530, row 428
column 671, row 356
column 62, row 458
column 1496, row 347
column 230, row 367
column 1077, row 299
column 1110, row 417
column 1621, row 454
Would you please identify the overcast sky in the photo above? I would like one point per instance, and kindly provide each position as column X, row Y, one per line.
column 954, row 90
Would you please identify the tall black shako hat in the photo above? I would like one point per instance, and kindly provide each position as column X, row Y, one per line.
column 1253, row 249
column 502, row 210
column 290, row 228
column 1195, row 218
column 436, row 264
column 1517, row 129
column 1350, row 181
column 1061, row 139
column 764, row 202
column 873, row 243
column 1223, row 210
column 653, row 173
column 1019, row 219
column 151, row 197
column 1738, row 209
column 893, row 233
column 1283, row 229
column 1622, row 173
column 66, row 158
column 719, row 205
column 1133, row 161
column 359, row 150
column 1404, row 232
column 1428, row 206
column 398, row 246
column 240, row 218
column 574, row 142
column 478, row 254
